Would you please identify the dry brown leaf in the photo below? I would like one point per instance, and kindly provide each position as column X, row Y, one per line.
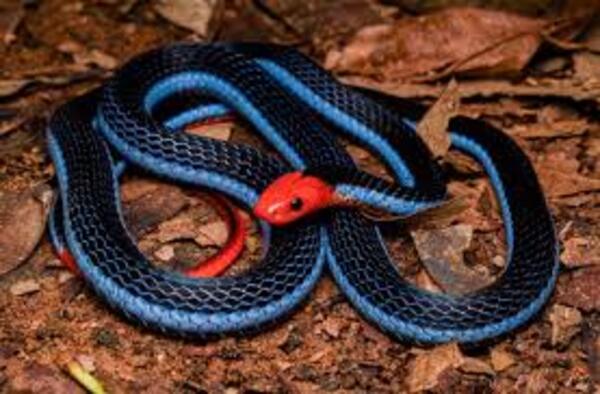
column 194, row 15
column 580, row 289
column 501, row 359
column 564, row 88
column 433, row 127
column 587, row 66
column 25, row 287
column 219, row 131
column 476, row 366
column 580, row 252
column 212, row 234
column 475, row 197
column 565, row 324
column 557, row 183
column 428, row 366
column 9, row 87
column 160, row 204
column 442, row 253
column 560, row 128
column 457, row 39
column 22, row 224
column 11, row 15
column 86, row 57
column 323, row 22
column 179, row 227
column 34, row 377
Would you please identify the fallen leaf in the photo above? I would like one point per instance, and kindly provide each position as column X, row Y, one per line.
column 424, row 281
column 25, row 287
column 587, row 66
column 9, row 87
column 476, row 366
column 22, row 224
column 440, row 215
column 85, row 57
column 11, row 15
column 323, row 22
column 557, row 183
column 579, row 252
column 433, row 127
column 12, row 124
column 165, row 253
column 219, row 131
column 456, row 39
column 179, row 227
column 442, row 254
column 160, row 204
column 536, row 382
column 501, row 360
column 564, row 128
column 194, row 15
column 212, row 234
column 530, row 7
column 38, row 378
column 332, row 326
column 137, row 188
column 580, row 289
column 580, row 199
column 563, row 88
column 428, row 366
column 482, row 213
column 566, row 323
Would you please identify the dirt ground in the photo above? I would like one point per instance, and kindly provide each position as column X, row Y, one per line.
column 535, row 74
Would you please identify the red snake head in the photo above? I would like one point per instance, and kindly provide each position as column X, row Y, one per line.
column 291, row 197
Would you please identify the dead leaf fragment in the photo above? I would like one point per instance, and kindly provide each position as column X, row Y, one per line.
column 566, row 88
column 428, row 366
column 85, row 57
column 154, row 207
column 22, row 224
column 433, row 127
column 9, row 87
column 212, row 234
column 557, row 183
column 219, row 131
column 581, row 290
column 442, row 253
column 179, row 227
column 38, row 378
column 560, row 128
column 165, row 253
column 24, row 287
column 566, row 323
column 476, row 366
column 452, row 40
column 11, row 15
column 501, row 360
column 579, row 252
column 194, row 15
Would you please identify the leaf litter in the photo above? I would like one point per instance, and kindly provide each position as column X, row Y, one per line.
column 330, row 346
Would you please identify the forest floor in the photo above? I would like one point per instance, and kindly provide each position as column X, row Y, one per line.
column 535, row 75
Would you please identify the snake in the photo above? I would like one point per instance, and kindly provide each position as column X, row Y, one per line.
column 214, row 265
column 299, row 190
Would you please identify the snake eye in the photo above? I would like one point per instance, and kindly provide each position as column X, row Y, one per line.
column 296, row 204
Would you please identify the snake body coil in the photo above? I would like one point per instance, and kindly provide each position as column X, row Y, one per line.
column 294, row 105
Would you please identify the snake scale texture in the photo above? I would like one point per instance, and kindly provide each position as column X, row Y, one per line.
column 295, row 106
